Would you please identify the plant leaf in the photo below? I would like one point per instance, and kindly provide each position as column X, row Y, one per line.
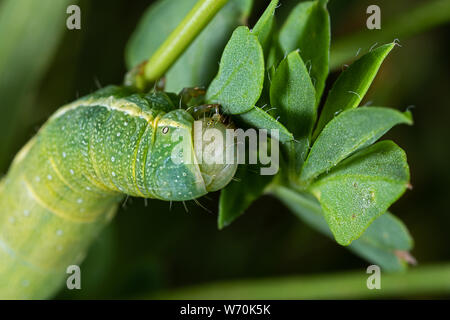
column 350, row 131
column 293, row 96
column 275, row 56
column 351, row 86
column 263, row 28
column 239, row 194
column 198, row 65
column 308, row 29
column 260, row 119
column 382, row 242
column 266, row 30
column 378, row 244
column 362, row 188
column 239, row 82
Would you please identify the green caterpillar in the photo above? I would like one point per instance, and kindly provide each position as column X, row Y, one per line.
column 66, row 183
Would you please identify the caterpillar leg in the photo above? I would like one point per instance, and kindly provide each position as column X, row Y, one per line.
column 206, row 109
column 192, row 96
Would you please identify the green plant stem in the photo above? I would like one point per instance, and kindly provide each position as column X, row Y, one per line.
column 426, row 281
column 181, row 38
column 412, row 22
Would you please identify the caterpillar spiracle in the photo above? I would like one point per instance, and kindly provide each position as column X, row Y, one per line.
column 67, row 181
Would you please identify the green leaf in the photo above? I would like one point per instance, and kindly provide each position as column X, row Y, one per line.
column 379, row 244
column 30, row 32
column 240, row 193
column 386, row 242
column 239, row 81
column 263, row 28
column 308, row 30
column 293, row 96
column 388, row 231
column 350, row 131
column 362, row 188
column 274, row 56
column 198, row 65
column 351, row 86
column 260, row 119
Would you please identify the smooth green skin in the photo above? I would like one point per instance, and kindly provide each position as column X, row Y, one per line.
column 379, row 244
column 352, row 84
column 361, row 189
column 307, row 29
column 239, row 82
column 66, row 183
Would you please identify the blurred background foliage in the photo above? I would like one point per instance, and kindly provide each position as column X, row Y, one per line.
column 151, row 248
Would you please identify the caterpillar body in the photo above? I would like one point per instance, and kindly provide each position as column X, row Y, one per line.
column 66, row 183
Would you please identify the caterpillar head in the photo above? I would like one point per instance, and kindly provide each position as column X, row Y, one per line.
column 189, row 157
column 218, row 153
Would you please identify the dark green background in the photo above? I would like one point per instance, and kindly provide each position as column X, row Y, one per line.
column 149, row 248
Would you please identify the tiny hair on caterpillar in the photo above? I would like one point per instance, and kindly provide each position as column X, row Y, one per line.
column 66, row 183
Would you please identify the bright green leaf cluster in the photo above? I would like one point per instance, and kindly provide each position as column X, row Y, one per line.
column 347, row 133
column 273, row 78
column 354, row 180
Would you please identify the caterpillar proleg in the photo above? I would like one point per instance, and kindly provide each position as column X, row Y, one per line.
column 67, row 182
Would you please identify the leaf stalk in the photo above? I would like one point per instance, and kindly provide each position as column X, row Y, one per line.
column 180, row 39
